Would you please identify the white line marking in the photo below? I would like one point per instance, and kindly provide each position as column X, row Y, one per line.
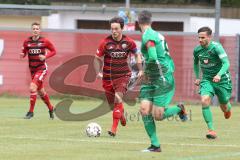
column 212, row 156
column 99, row 140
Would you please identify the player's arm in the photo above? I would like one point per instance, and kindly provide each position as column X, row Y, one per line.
column 196, row 68
column 98, row 63
column 225, row 63
column 24, row 50
column 98, row 60
column 153, row 60
column 224, row 59
column 51, row 51
column 138, row 57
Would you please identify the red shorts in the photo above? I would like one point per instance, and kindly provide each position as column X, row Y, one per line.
column 38, row 77
column 116, row 85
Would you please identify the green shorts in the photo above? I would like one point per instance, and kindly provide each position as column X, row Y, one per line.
column 159, row 92
column 222, row 89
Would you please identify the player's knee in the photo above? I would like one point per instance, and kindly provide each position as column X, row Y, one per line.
column 117, row 113
column 144, row 111
column 205, row 101
column 41, row 93
column 158, row 117
column 33, row 88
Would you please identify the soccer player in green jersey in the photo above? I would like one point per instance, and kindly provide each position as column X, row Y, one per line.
column 158, row 85
column 213, row 61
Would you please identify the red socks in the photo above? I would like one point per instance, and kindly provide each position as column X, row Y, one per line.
column 116, row 115
column 46, row 100
column 33, row 97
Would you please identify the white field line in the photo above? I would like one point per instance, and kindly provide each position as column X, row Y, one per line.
column 99, row 140
column 212, row 156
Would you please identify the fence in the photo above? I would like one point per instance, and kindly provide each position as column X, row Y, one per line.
column 70, row 45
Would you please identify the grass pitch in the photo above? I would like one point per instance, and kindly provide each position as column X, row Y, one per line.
column 43, row 139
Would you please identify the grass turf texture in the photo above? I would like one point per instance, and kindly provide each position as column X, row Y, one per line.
column 41, row 138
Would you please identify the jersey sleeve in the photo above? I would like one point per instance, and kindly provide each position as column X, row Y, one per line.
column 100, row 50
column 24, row 48
column 51, row 49
column 133, row 48
column 196, row 64
column 224, row 59
column 150, row 45
column 220, row 51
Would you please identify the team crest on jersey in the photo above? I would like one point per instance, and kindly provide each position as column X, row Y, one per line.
column 205, row 61
column 125, row 45
column 209, row 52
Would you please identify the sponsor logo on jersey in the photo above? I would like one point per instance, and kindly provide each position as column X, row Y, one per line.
column 40, row 44
column 118, row 54
column 34, row 51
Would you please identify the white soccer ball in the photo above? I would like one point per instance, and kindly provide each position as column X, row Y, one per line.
column 93, row 130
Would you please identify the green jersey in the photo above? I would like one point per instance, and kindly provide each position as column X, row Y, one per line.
column 160, row 54
column 212, row 60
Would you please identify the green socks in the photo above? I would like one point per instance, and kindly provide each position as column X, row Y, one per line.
column 207, row 115
column 150, row 127
column 229, row 106
column 170, row 111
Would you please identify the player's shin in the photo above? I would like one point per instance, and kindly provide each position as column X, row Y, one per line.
column 150, row 128
column 171, row 111
column 33, row 97
column 46, row 100
column 207, row 115
column 116, row 115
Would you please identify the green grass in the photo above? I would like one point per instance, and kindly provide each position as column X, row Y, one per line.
column 44, row 139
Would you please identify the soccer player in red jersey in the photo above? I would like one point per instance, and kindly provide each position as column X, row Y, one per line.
column 38, row 49
column 113, row 52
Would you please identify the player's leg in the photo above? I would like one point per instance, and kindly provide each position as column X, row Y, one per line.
column 163, row 99
column 207, row 92
column 120, row 88
column 110, row 96
column 45, row 98
column 224, row 92
column 149, row 124
column 33, row 96
column 39, row 78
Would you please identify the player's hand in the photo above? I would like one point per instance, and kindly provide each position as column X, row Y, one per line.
column 42, row 57
column 99, row 75
column 197, row 82
column 140, row 77
column 216, row 78
column 22, row 55
column 145, row 79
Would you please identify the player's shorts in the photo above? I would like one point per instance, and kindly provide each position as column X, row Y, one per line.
column 115, row 85
column 160, row 93
column 38, row 77
column 222, row 89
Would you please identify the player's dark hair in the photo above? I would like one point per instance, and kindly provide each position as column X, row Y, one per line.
column 205, row 29
column 35, row 23
column 145, row 17
column 117, row 20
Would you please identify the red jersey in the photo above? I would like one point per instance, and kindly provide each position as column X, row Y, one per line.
column 34, row 48
column 116, row 55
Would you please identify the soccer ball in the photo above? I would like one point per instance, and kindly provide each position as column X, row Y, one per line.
column 93, row 130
